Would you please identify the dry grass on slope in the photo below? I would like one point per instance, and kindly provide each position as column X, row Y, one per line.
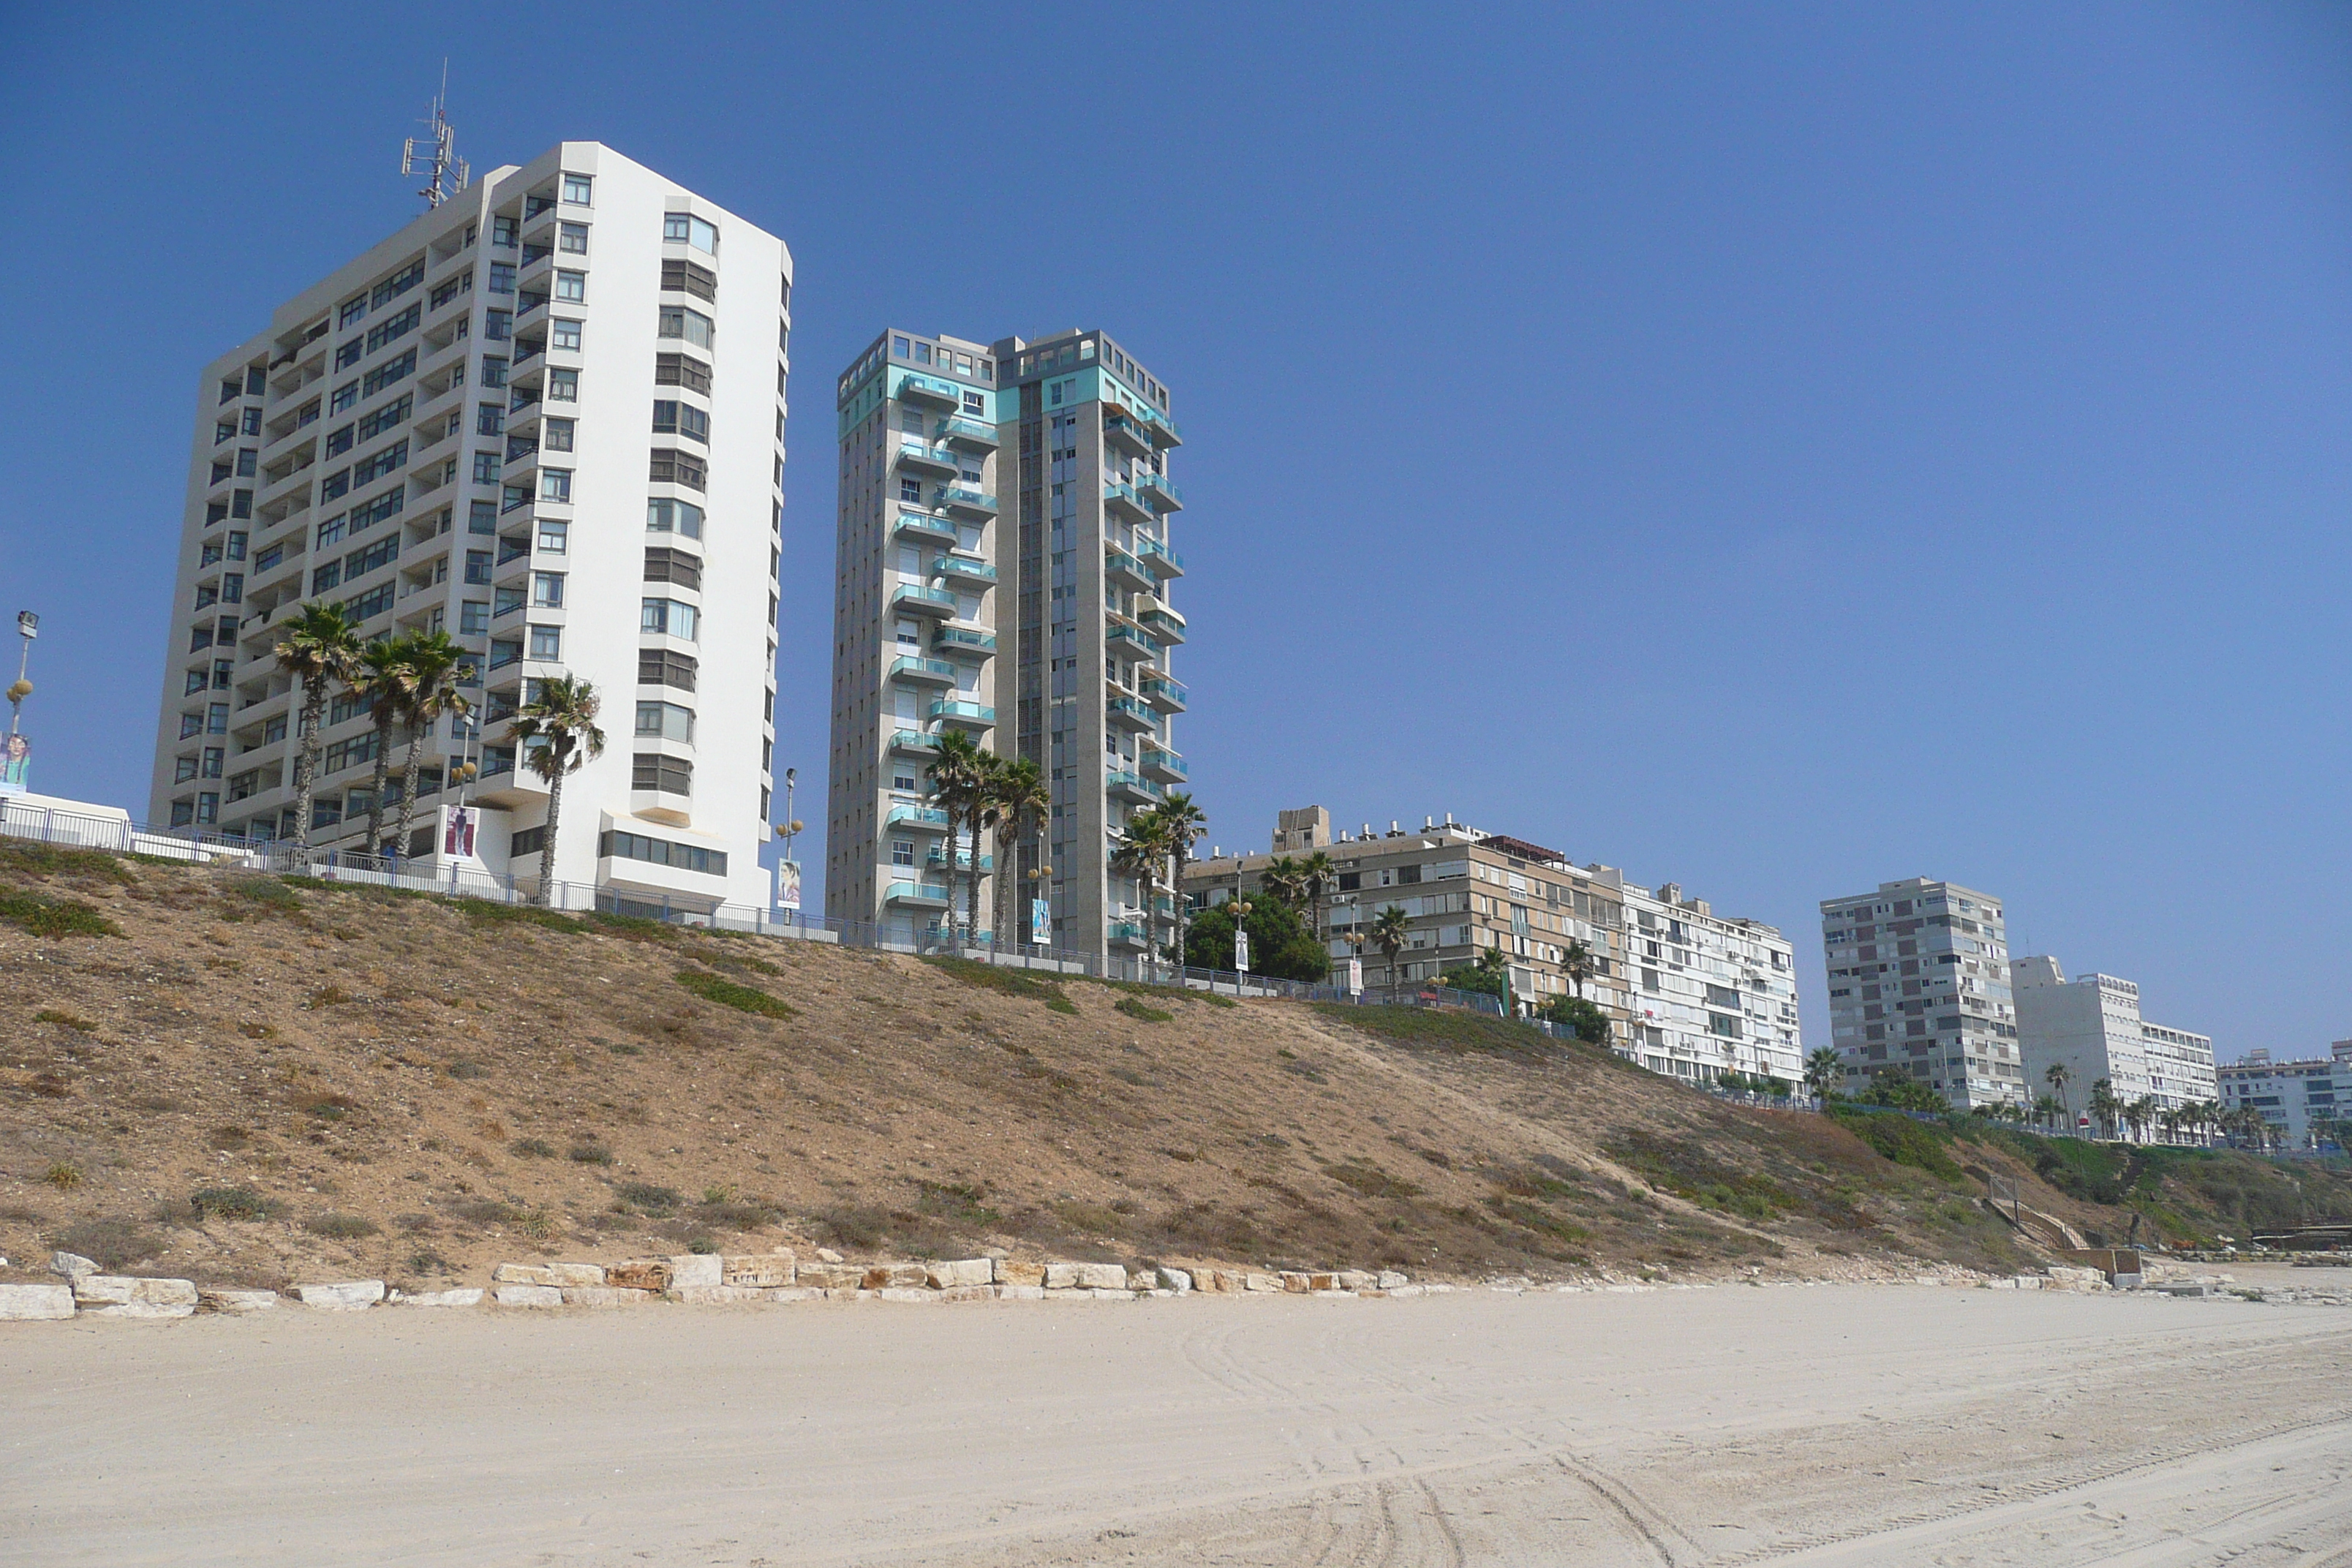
column 258, row 1080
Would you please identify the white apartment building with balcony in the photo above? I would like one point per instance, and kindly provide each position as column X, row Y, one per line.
column 2091, row 1025
column 547, row 416
column 1919, row 984
column 2306, row 1101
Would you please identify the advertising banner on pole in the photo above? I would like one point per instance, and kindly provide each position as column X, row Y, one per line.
column 1041, row 922
column 1355, row 977
column 1241, row 951
column 788, row 885
column 15, row 766
column 459, row 825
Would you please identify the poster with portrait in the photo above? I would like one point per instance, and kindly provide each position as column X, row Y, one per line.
column 15, row 766
column 1041, row 922
column 788, row 884
column 458, row 824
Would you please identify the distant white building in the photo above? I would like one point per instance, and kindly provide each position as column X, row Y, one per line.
column 2292, row 1095
column 1918, row 975
column 2092, row 1027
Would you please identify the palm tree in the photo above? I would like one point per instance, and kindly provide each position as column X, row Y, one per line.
column 1577, row 961
column 1391, row 928
column 1142, row 853
column 319, row 644
column 2058, row 1078
column 957, row 771
column 1320, row 874
column 1823, row 1069
column 1023, row 804
column 437, row 667
column 384, row 678
column 563, row 718
column 2104, row 1106
column 2047, row 1110
column 987, row 813
column 1283, row 878
column 1185, row 824
column 2140, row 1115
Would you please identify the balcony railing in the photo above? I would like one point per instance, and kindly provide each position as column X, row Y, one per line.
column 1131, row 786
column 924, row 525
column 1127, row 570
column 961, row 638
column 978, row 715
column 964, row 568
column 913, row 741
column 968, row 432
column 1127, row 710
column 1165, row 767
column 1121, row 498
column 923, row 457
column 939, row 857
column 962, row 498
column 917, row 816
column 938, row 394
column 1157, row 490
column 917, row 597
column 1128, row 640
column 929, row 894
column 1168, row 696
column 925, row 669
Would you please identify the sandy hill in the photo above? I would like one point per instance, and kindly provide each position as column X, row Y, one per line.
column 247, row 1078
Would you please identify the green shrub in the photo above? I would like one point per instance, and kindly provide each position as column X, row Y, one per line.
column 50, row 860
column 637, row 928
column 654, row 1200
column 43, row 915
column 1137, row 1008
column 340, row 1226
column 231, row 1202
column 271, row 892
column 732, row 993
column 1010, row 982
column 1898, row 1138
column 587, row 1151
column 534, row 1148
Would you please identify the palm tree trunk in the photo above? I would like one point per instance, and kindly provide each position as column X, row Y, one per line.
column 546, row 888
column 409, row 780
column 306, row 766
column 954, row 818
column 382, row 770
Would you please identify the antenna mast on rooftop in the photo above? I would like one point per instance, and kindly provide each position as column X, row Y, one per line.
column 436, row 155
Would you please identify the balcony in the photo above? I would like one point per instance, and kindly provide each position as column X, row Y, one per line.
column 928, row 819
column 963, row 715
column 936, row 669
column 1130, row 642
column 914, row 742
column 1163, row 623
column 926, row 393
column 1127, row 571
column 1164, row 433
column 1128, row 933
column 964, row 569
column 1156, row 490
column 922, row 601
column 963, row 640
column 1126, row 435
column 1166, row 696
column 1131, row 787
column 918, row 895
column 1126, row 713
column 1166, row 767
column 972, row 434
column 965, row 502
column 1122, row 500
column 923, row 525
column 1163, row 561
column 913, row 459
column 936, row 860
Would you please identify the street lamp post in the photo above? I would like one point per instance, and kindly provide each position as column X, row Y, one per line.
column 786, row 831
column 1241, row 943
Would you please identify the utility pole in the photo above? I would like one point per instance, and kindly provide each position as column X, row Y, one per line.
column 28, row 627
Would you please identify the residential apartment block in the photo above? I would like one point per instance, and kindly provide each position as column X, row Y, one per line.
column 2092, row 1027
column 1689, row 993
column 2301, row 1099
column 1918, row 975
column 1004, row 569
column 546, row 417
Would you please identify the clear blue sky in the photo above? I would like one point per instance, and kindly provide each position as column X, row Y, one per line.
column 1778, row 448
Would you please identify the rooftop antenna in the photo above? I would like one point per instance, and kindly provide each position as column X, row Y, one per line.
column 437, row 156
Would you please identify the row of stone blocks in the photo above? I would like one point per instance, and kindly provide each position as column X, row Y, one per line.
column 695, row 1278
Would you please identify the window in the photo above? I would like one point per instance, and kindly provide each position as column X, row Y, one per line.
column 685, row 229
column 547, row 642
column 504, row 231
column 482, row 517
column 678, row 321
column 353, row 308
column 478, row 566
column 554, row 535
column 556, row 435
column 232, row 588
column 683, row 518
column 377, row 421
column 564, row 334
column 555, row 484
column 547, row 590
column 571, row 287
column 668, row 617
column 675, row 566
column 529, row 841
column 399, row 283
column 208, row 807
column 385, row 374
column 899, row 348
column 685, row 278
column 197, row 681
column 241, row 503
column 670, row 466
column 343, row 396
column 578, row 188
column 497, row 326
column 216, row 717
column 681, row 370
column 213, row 756
column 494, row 372
column 662, row 667
column 571, row 239
column 910, row 491
column 666, row 720
column 223, row 431
column 378, row 465
column 183, row 769
column 674, row 418
column 563, row 386
column 485, row 468
column 375, row 601
column 349, row 354
column 502, row 278
column 506, row 602
column 489, row 419
column 659, row 852
column 394, row 327
column 652, row 771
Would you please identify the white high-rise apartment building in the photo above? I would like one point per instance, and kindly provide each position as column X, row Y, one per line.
column 1919, row 984
column 1709, row 993
column 2092, row 1027
column 547, row 418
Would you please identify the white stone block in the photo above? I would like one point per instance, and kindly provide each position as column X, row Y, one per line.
column 471, row 1296
column 1349, row 1295
column 140, row 1309
column 587, row 1274
column 527, row 1296
column 1404, row 1291
column 698, row 1268
column 1101, row 1277
column 897, row 1277
column 29, row 1303
column 966, row 1272
column 1008, row 1272
column 526, row 1274
column 1391, row 1280
column 968, row 1293
column 1176, row 1280
column 1061, row 1276
column 1356, row 1279
column 1109, row 1293
column 239, row 1301
column 768, row 1270
column 907, row 1293
column 71, row 1265
column 1021, row 1293
column 100, row 1289
column 715, row 1295
column 827, row 1255
column 796, row 1293
column 348, row 1296
column 602, row 1296
column 1261, row 1282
